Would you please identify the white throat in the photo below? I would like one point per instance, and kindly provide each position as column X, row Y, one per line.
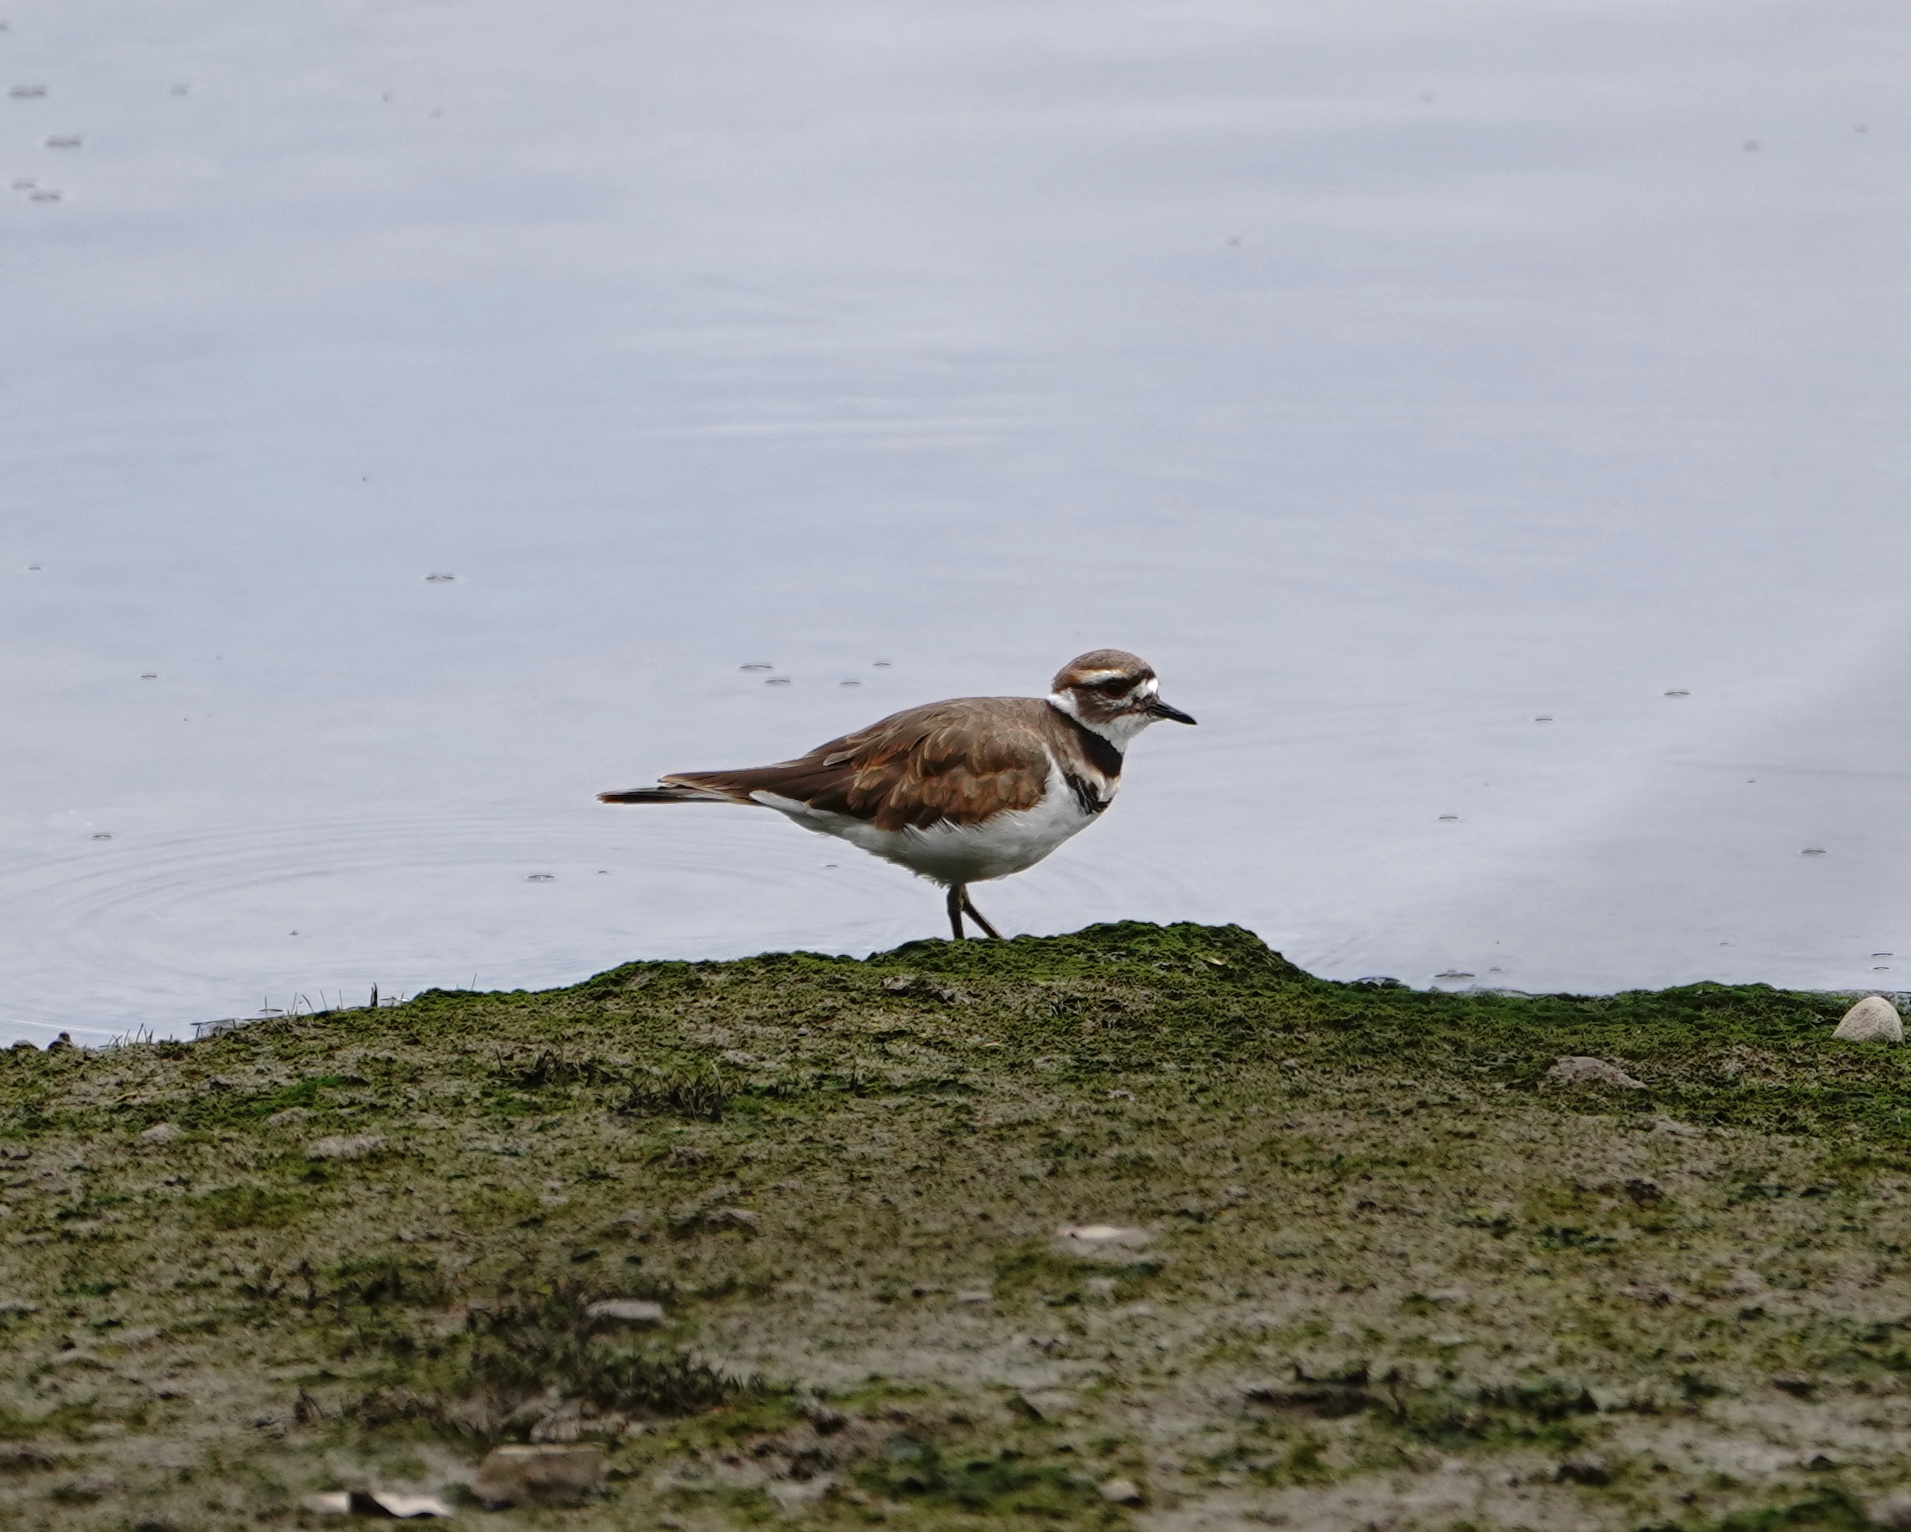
column 1117, row 731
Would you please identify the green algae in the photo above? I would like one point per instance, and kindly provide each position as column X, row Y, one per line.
column 1390, row 1262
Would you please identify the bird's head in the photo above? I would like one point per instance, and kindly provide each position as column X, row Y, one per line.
column 1112, row 692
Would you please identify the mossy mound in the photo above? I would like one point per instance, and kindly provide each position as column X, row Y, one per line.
column 1382, row 1268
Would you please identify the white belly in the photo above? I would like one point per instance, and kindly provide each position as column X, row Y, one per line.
column 1008, row 842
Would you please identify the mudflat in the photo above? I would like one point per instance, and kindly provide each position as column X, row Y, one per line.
column 1139, row 1226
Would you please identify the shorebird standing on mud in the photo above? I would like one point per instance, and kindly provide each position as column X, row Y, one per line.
column 960, row 791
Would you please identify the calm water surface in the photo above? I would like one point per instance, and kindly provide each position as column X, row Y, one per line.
column 1489, row 418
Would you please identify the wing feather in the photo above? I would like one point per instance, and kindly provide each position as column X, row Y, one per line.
column 957, row 762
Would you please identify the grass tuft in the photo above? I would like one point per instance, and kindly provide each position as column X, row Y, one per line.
column 699, row 1095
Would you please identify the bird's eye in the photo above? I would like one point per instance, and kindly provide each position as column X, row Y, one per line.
column 1113, row 687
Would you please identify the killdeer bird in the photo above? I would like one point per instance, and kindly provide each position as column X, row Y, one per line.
column 960, row 791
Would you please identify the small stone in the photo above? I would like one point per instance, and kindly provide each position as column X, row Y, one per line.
column 1577, row 1069
column 291, row 1115
column 625, row 1311
column 975, row 1295
column 1121, row 1492
column 331, row 1502
column 158, row 1133
column 731, row 1218
column 354, row 1147
column 1873, row 1019
column 1100, row 1236
column 399, row 1506
column 1586, row 1468
column 1795, row 1384
column 515, row 1475
column 1449, row 1295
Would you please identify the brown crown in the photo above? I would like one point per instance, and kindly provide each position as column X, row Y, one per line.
column 1100, row 665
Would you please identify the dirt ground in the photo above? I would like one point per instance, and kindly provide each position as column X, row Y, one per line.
column 1354, row 1258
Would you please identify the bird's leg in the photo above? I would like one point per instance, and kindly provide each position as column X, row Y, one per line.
column 975, row 914
column 958, row 896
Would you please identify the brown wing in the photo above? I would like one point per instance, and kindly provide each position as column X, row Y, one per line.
column 959, row 761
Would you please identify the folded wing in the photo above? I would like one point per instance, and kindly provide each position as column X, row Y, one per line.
column 952, row 762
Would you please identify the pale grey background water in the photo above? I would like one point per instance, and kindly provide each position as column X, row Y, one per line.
column 1391, row 375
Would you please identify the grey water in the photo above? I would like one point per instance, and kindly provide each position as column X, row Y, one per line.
column 1489, row 418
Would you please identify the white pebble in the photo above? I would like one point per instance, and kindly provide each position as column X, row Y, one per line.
column 625, row 1311
column 1873, row 1019
column 1101, row 1235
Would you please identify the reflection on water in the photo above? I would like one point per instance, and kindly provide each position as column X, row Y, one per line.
column 425, row 421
